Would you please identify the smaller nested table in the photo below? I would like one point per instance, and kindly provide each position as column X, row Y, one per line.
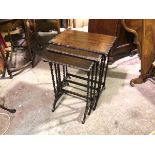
column 84, row 51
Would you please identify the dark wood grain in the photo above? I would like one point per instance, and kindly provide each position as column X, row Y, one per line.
column 83, row 40
column 74, row 52
column 124, row 42
column 103, row 26
column 67, row 60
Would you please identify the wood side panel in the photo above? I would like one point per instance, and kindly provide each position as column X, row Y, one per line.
column 103, row 26
column 124, row 41
column 110, row 27
column 148, row 46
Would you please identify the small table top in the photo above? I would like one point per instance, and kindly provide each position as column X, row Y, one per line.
column 92, row 42
column 70, row 61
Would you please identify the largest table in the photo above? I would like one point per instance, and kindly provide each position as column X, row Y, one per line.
column 85, row 42
column 91, row 42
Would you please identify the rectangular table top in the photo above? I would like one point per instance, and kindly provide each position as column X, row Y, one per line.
column 70, row 61
column 74, row 52
column 85, row 40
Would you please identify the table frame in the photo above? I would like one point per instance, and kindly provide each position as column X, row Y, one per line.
column 98, row 76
